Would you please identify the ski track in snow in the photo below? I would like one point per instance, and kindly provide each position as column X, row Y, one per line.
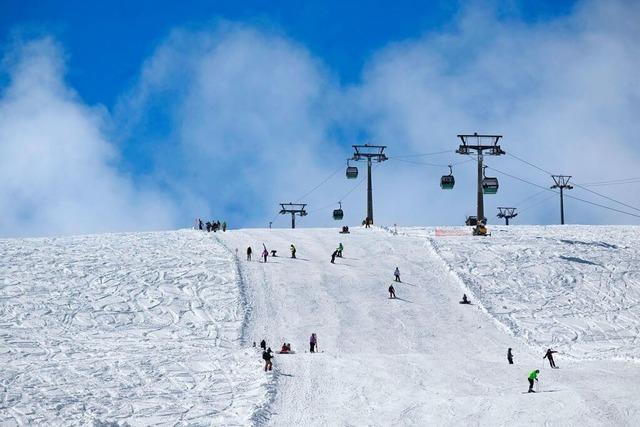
column 137, row 329
column 577, row 287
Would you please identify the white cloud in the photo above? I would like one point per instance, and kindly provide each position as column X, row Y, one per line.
column 58, row 172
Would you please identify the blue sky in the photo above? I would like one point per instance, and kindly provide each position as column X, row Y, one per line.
column 223, row 109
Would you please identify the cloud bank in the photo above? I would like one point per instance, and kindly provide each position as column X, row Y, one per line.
column 230, row 121
column 58, row 172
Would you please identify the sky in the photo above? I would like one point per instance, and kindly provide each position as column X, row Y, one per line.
column 125, row 116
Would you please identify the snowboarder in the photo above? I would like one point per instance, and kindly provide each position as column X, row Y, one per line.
column 465, row 300
column 533, row 375
column 313, row 343
column 549, row 355
column 249, row 251
column 293, row 251
column 339, row 250
column 263, row 345
column 510, row 356
column 267, row 356
column 274, row 253
column 392, row 292
column 396, row 273
column 333, row 256
column 265, row 254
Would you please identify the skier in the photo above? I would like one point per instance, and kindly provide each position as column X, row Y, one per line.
column 267, row 356
column 397, row 274
column 533, row 375
column 392, row 292
column 549, row 355
column 265, row 254
column 249, row 253
column 313, row 343
column 333, row 256
column 263, row 345
column 293, row 251
column 510, row 356
column 339, row 250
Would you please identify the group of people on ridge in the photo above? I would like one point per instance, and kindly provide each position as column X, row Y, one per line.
column 211, row 225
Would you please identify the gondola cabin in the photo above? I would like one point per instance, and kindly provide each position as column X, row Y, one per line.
column 490, row 185
column 352, row 172
column 338, row 214
column 447, row 182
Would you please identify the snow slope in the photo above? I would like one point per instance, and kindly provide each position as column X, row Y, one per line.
column 423, row 359
column 141, row 329
column 157, row 328
column 574, row 286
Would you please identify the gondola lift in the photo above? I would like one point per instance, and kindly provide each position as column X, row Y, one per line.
column 352, row 171
column 447, row 181
column 338, row 214
column 489, row 184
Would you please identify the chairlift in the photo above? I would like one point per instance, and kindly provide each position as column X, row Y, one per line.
column 489, row 184
column 447, row 181
column 352, row 171
column 338, row 214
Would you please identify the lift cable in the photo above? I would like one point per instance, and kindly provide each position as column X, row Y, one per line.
column 566, row 195
column 579, row 185
column 320, row 185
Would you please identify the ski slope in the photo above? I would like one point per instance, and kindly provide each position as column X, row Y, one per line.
column 422, row 359
column 142, row 329
column 157, row 328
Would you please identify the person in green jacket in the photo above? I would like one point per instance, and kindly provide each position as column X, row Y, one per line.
column 533, row 375
column 339, row 250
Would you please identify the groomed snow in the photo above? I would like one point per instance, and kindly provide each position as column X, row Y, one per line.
column 141, row 329
column 157, row 328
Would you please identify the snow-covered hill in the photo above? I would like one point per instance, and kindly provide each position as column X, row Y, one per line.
column 158, row 328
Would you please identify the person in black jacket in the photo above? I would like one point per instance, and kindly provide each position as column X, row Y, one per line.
column 267, row 356
column 510, row 356
column 249, row 253
column 263, row 345
column 549, row 355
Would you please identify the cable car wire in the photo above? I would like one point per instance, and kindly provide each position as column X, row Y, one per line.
column 566, row 195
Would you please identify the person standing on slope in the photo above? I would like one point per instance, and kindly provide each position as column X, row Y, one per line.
column 293, row 251
column 339, row 250
column 509, row 356
column 549, row 355
column 533, row 375
column 263, row 345
column 267, row 356
column 333, row 256
column 396, row 273
column 249, row 251
column 313, row 343
column 265, row 253
column 392, row 292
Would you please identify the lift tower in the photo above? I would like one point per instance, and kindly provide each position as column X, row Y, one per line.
column 480, row 145
column 561, row 182
column 293, row 209
column 507, row 214
column 370, row 153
